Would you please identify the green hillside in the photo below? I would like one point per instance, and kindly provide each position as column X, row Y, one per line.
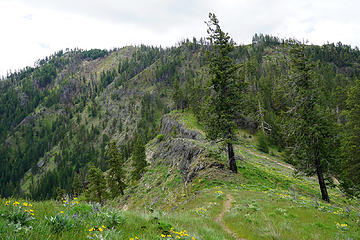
column 264, row 201
column 136, row 143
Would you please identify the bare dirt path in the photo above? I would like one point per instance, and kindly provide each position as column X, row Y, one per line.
column 220, row 218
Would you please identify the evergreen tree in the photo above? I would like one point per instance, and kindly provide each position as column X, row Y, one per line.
column 97, row 186
column 178, row 96
column 223, row 102
column 262, row 142
column 77, row 185
column 351, row 142
column 116, row 174
column 139, row 159
column 309, row 128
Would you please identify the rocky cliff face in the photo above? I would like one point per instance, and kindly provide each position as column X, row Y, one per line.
column 181, row 148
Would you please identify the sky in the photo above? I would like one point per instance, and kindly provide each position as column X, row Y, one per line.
column 33, row 29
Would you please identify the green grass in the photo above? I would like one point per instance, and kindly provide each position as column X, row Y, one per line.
column 188, row 119
column 268, row 202
column 83, row 216
column 257, row 215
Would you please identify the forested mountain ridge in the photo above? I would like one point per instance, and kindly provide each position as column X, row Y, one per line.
column 59, row 117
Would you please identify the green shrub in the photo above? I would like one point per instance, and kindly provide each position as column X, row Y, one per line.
column 111, row 219
column 59, row 223
column 17, row 214
column 159, row 137
column 82, row 209
column 263, row 144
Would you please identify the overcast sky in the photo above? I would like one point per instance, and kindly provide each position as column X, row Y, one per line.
column 33, row 29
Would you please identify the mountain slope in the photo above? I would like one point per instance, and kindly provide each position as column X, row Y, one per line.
column 58, row 118
column 264, row 201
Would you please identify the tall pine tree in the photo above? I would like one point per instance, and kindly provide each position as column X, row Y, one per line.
column 139, row 159
column 351, row 142
column 116, row 174
column 309, row 128
column 223, row 102
column 97, row 186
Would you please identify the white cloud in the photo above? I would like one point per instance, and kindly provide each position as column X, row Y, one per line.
column 33, row 29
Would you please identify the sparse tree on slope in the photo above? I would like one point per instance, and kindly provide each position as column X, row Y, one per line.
column 97, row 186
column 116, row 175
column 309, row 128
column 139, row 159
column 223, row 102
column 76, row 185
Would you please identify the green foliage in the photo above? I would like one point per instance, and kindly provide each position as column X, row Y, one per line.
column 350, row 142
column 178, row 96
column 223, row 101
column 263, row 144
column 97, row 185
column 139, row 159
column 77, row 186
column 94, row 53
column 309, row 128
column 116, row 174
column 160, row 137
column 49, row 138
column 59, row 223
column 113, row 219
column 152, row 109
column 83, row 209
column 18, row 214
column 45, row 74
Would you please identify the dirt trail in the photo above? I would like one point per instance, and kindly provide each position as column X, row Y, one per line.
column 220, row 218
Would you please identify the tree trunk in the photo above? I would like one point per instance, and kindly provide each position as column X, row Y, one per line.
column 231, row 156
column 320, row 175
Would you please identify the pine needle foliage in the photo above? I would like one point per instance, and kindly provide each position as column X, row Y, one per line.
column 222, row 104
column 309, row 128
column 116, row 174
column 350, row 142
column 97, row 185
column 139, row 159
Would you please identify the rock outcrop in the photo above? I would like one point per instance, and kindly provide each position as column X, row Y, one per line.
column 182, row 149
